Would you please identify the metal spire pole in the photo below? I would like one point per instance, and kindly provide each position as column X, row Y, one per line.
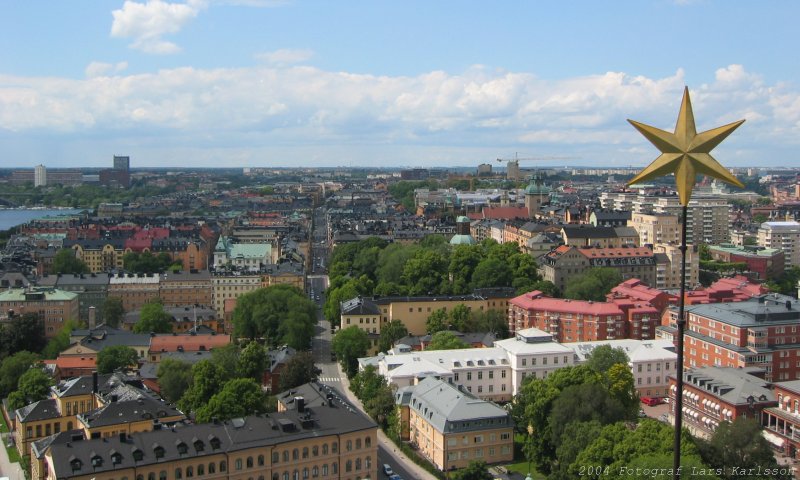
column 678, row 403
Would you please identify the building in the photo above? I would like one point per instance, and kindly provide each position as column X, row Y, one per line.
column 761, row 332
column 599, row 237
column 782, row 422
column 636, row 291
column 651, row 361
column 729, row 289
column 784, row 236
column 186, row 287
column 668, row 266
column 764, row 263
column 122, row 163
column 708, row 219
column 582, row 321
column 370, row 314
column 100, row 255
column 250, row 257
column 134, row 289
column 92, row 291
column 450, row 427
column 656, row 228
column 713, row 394
column 53, row 306
column 230, row 286
column 314, row 434
column 564, row 263
column 494, row 373
column 186, row 319
column 186, row 342
column 40, row 176
column 463, row 235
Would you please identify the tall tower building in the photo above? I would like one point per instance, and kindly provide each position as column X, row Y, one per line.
column 122, row 163
column 40, row 176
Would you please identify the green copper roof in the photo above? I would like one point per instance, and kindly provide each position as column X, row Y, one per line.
column 50, row 295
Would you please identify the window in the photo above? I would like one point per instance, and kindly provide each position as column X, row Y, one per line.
column 201, row 470
column 305, row 473
column 179, row 473
column 469, row 376
column 325, row 470
column 249, row 462
column 358, row 444
column 324, row 448
column 182, row 448
column 223, row 466
column 286, row 455
column 138, row 455
column 261, row 460
column 368, row 440
column 348, row 466
column 162, row 475
column 305, row 452
column 199, row 446
column 212, row 467
column 349, row 445
column 480, row 375
column 334, row 448
column 275, row 457
column 358, row 464
column 295, row 454
column 315, row 471
column 502, row 374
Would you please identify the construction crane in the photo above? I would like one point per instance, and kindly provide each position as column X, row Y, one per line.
column 512, row 165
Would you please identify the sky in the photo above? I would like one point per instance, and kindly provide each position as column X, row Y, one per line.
column 379, row 83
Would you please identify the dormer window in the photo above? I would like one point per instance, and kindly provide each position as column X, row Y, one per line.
column 75, row 464
column 137, row 454
column 158, row 450
column 199, row 445
column 182, row 448
column 116, row 458
column 97, row 461
column 214, row 441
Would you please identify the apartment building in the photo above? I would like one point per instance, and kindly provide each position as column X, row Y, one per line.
column 134, row 290
column 782, row 422
column 712, row 395
column 765, row 263
column 600, row 237
column 656, row 228
column 450, row 427
column 782, row 235
column 314, row 434
column 230, row 286
column 761, row 332
column 582, row 321
column 565, row 263
column 92, row 290
column 668, row 266
column 53, row 306
column 708, row 218
column 186, row 287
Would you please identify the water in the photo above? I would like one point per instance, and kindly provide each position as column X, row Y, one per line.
column 13, row 217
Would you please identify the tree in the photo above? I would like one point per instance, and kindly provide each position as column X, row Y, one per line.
column 445, row 340
column 604, row 356
column 207, row 378
column 583, row 403
column 24, row 332
column 738, row 446
column 281, row 314
column 492, row 272
column 12, row 368
column 594, row 284
column 238, row 398
column 437, row 321
column 153, row 318
column 113, row 358
column 390, row 333
column 426, row 273
column 33, row 385
column 463, row 261
column 545, row 286
column 252, row 362
column 60, row 341
column 66, row 262
column 476, row 470
column 174, row 378
column 226, row 358
column 375, row 393
column 349, row 344
column 113, row 311
column 299, row 370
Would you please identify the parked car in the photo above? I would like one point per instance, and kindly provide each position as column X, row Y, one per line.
column 395, row 476
column 652, row 401
column 387, row 469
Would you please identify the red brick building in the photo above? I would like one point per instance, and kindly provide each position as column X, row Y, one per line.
column 765, row 263
column 636, row 290
column 582, row 321
column 782, row 422
column 762, row 332
column 730, row 289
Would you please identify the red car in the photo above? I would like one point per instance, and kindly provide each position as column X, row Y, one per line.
column 652, row 401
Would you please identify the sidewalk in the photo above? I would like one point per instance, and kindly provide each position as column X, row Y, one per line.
column 388, row 445
column 11, row 470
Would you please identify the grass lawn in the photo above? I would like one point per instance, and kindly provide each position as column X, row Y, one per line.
column 522, row 467
column 13, row 455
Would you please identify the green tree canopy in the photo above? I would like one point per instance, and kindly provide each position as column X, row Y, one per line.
column 146, row 262
column 476, row 470
column 604, row 356
column 113, row 311
column 207, row 378
column 390, row 333
column 33, row 385
column 281, row 314
column 252, row 361
column 113, row 358
column 174, row 378
column 66, row 262
column 299, row 370
column 12, row 368
column 492, row 272
column 426, row 273
column 60, row 341
column 24, row 333
column 153, row 318
column 445, row 340
column 349, row 344
column 437, row 321
column 238, row 398
column 594, row 285
column 738, row 446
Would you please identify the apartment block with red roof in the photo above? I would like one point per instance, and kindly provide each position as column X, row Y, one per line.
column 582, row 321
column 635, row 290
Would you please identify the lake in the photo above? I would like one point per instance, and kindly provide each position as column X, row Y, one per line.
column 13, row 217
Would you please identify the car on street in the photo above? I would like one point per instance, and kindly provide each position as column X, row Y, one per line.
column 395, row 476
column 387, row 470
column 652, row 401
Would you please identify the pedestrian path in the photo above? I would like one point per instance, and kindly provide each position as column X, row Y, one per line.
column 329, row 379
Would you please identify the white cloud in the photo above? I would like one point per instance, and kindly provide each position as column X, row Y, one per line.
column 286, row 56
column 147, row 23
column 477, row 111
column 99, row 69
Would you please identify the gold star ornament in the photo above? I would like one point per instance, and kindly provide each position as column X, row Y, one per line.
column 685, row 153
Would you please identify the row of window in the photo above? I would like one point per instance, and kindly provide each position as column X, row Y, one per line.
column 544, row 361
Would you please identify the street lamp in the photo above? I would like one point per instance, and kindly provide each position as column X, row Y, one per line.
column 528, row 453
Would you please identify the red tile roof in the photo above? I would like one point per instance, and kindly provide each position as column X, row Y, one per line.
column 75, row 362
column 536, row 301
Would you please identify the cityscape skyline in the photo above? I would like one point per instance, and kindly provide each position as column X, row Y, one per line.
column 285, row 84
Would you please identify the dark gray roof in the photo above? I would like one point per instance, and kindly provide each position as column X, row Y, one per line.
column 763, row 311
column 733, row 385
column 41, row 410
column 589, row 231
column 334, row 418
column 149, row 369
column 40, row 447
column 359, row 306
column 79, row 385
column 127, row 411
column 128, row 339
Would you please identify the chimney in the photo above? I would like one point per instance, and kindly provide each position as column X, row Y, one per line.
column 92, row 317
column 301, row 404
column 94, row 382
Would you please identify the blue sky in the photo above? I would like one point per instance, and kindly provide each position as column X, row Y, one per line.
column 390, row 83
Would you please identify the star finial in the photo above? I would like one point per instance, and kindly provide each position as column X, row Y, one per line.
column 685, row 152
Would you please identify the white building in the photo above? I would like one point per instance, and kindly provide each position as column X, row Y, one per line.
column 651, row 361
column 40, row 176
column 783, row 235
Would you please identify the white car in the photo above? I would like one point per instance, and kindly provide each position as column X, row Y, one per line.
column 387, row 469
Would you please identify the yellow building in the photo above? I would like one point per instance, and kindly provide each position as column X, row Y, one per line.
column 230, row 286
column 451, row 428
column 656, row 228
column 313, row 435
column 371, row 314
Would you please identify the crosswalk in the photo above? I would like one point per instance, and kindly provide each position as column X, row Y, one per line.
column 329, row 379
